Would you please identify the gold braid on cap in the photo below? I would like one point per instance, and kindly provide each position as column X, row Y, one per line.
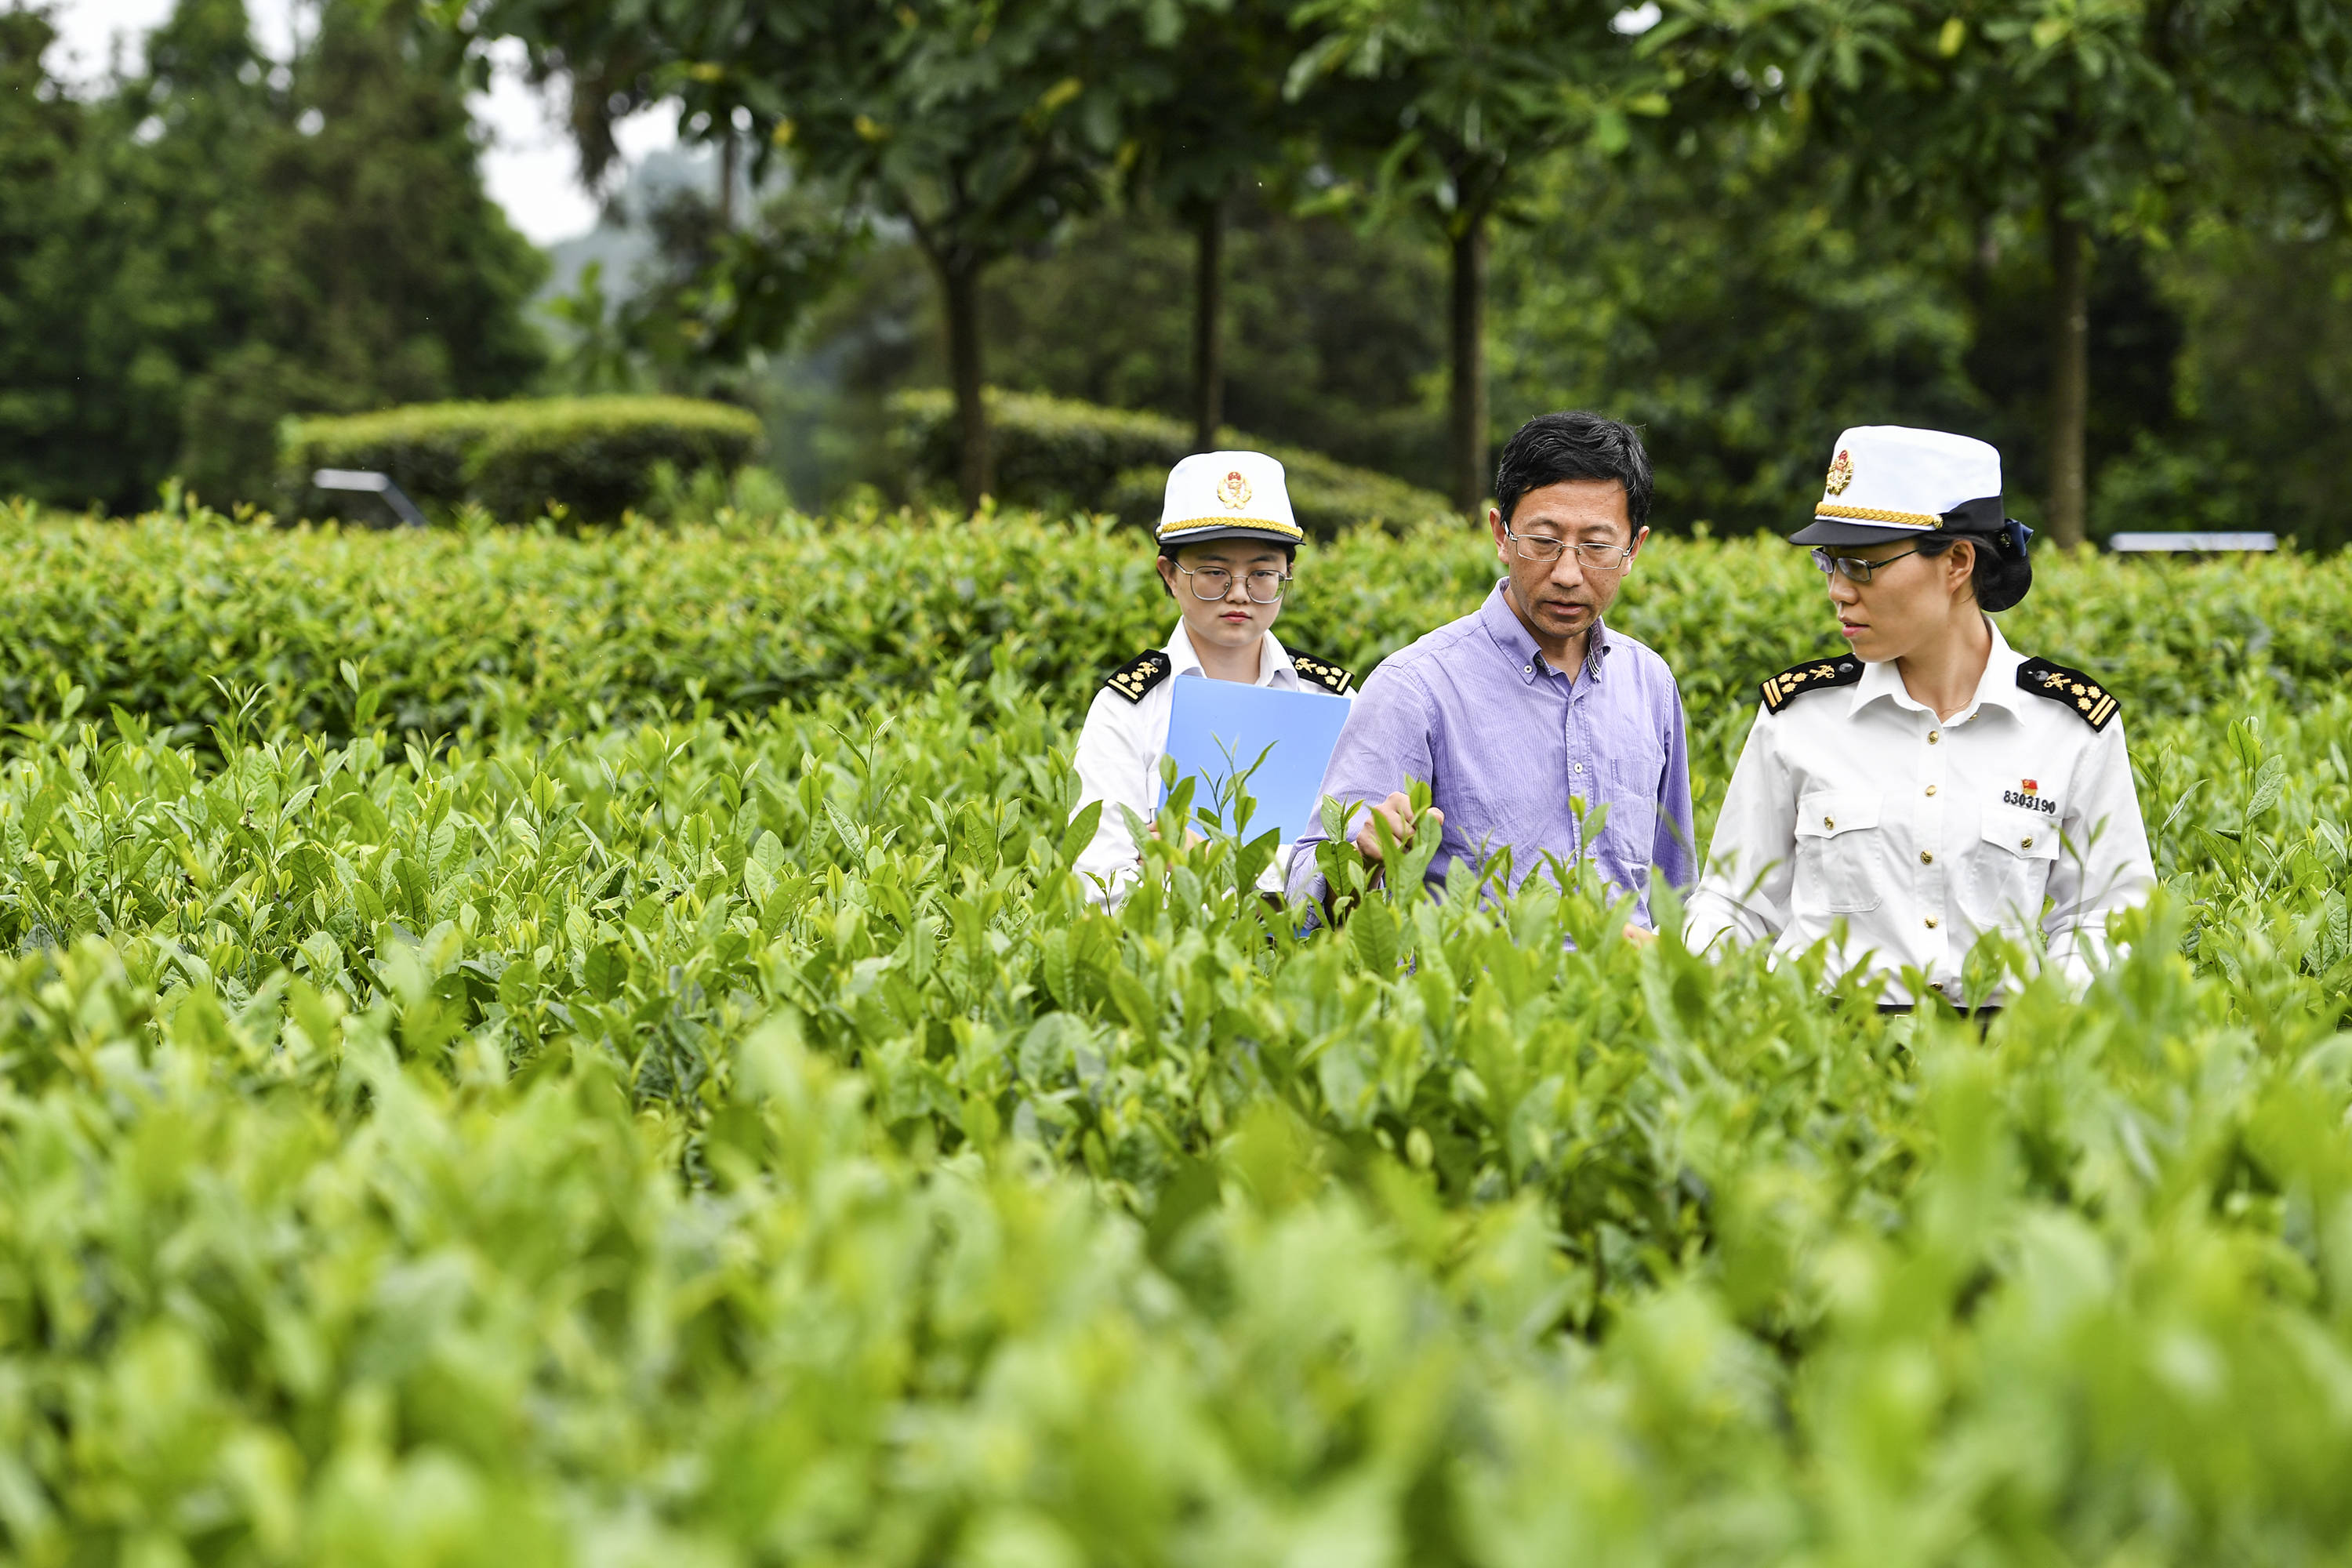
column 1195, row 524
column 1878, row 514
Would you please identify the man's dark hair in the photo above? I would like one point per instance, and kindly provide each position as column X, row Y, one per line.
column 1551, row 447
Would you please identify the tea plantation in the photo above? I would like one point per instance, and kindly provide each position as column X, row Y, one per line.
column 519, row 1047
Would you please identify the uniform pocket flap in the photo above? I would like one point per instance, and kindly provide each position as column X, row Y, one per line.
column 2027, row 835
column 1825, row 814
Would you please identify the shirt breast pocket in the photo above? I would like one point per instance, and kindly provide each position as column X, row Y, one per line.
column 1630, row 787
column 1840, row 852
column 2010, row 872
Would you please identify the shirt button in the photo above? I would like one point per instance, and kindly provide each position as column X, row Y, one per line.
column 1527, row 669
column 1931, row 923
column 1579, row 767
column 1934, row 736
column 1926, row 859
column 2026, row 843
column 1931, row 789
column 1829, row 822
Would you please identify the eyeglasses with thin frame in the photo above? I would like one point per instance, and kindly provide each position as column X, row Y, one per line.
column 1591, row 556
column 1214, row 584
column 1853, row 568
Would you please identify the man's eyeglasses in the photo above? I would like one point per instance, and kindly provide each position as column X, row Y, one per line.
column 1590, row 554
column 1213, row 585
column 1853, row 568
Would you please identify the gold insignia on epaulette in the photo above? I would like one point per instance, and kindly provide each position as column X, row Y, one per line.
column 1138, row 675
column 1819, row 673
column 1320, row 672
column 2078, row 691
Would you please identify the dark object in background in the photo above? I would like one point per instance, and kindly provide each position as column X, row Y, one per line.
column 368, row 483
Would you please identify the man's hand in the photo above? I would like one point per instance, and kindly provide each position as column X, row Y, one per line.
column 1397, row 812
column 1191, row 839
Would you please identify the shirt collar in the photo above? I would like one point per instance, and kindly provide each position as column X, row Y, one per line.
column 1510, row 635
column 1997, row 687
column 1273, row 667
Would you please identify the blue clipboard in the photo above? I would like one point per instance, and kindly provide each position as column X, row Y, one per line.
column 1217, row 729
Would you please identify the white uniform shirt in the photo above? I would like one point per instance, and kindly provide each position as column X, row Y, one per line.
column 1118, row 762
column 1857, row 803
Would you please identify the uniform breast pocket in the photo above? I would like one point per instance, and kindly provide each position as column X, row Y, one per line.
column 2010, row 872
column 1841, row 852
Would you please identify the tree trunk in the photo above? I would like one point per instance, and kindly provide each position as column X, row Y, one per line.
column 960, row 286
column 2070, row 378
column 1467, row 393
column 1208, row 326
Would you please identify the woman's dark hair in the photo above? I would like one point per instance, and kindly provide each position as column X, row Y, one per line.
column 2001, row 573
column 1551, row 447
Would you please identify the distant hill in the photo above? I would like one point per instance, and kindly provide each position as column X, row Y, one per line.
column 622, row 239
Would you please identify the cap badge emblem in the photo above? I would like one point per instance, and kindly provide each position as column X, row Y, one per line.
column 1234, row 490
column 1841, row 472
column 2031, row 786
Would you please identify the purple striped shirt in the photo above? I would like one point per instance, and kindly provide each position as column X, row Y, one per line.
column 1505, row 741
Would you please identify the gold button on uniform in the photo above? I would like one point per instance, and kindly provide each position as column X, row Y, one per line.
column 2026, row 843
column 1931, row 789
column 1931, row 923
column 1828, row 822
column 1926, row 859
column 1934, row 736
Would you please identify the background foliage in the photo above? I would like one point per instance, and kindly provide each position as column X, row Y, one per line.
column 226, row 241
column 1059, row 453
column 202, row 248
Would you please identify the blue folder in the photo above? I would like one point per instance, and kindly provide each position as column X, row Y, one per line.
column 1218, row 728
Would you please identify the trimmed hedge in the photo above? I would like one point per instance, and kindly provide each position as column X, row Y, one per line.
column 594, row 456
column 1058, row 452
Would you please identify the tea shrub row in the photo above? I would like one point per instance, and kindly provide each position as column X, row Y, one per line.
column 485, row 632
column 730, row 1137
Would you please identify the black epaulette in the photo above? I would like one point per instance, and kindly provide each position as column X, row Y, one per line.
column 1810, row 676
column 2093, row 701
column 1321, row 672
column 1139, row 675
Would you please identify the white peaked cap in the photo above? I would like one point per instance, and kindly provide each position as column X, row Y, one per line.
column 1227, row 495
column 1887, row 481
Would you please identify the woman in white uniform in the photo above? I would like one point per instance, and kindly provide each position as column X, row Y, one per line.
column 1928, row 785
column 1227, row 545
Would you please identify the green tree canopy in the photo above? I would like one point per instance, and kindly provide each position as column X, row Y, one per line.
column 2091, row 118
column 977, row 128
column 1218, row 123
column 210, row 246
column 1451, row 100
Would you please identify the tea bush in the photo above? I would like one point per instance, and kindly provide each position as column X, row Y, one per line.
column 729, row 1136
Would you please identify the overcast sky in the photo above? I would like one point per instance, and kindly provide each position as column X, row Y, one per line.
column 529, row 165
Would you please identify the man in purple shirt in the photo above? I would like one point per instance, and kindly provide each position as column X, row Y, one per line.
column 1531, row 702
